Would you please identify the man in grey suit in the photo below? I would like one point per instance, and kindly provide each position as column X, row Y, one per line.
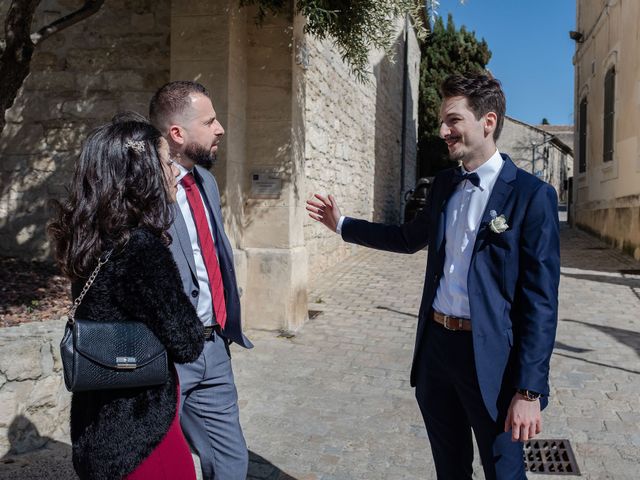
column 184, row 113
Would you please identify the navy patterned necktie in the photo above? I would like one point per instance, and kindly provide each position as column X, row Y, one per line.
column 460, row 176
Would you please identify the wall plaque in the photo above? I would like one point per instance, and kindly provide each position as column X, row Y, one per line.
column 266, row 184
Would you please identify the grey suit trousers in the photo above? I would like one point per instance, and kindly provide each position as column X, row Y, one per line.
column 209, row 413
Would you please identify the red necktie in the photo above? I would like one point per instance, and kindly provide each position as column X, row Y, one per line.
column 207, row 247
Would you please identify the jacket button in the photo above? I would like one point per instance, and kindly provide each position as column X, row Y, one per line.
column 194, row 293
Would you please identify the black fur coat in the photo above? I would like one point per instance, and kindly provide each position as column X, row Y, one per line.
column 113, row 431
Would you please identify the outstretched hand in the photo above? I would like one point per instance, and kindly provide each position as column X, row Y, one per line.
column 324, row 210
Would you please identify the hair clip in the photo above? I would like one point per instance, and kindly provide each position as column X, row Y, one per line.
column 136, row 145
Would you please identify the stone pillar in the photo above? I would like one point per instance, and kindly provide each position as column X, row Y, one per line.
column 273, row 236
column 255, row 87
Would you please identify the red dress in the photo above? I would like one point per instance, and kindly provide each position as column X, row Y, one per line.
column 171, row 459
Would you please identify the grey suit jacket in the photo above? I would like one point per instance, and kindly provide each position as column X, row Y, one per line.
column 183, row 255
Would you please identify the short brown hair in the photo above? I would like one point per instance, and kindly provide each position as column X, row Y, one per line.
column 483, row 92
column 172, row 99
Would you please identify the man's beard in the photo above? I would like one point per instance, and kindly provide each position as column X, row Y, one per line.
column 200, row 155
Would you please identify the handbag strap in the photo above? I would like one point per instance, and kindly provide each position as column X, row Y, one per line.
column 72, row 311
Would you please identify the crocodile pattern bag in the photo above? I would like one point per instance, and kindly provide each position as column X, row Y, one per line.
column 107, row 355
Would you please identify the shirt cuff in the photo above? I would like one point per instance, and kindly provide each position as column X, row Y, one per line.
column 339, row 226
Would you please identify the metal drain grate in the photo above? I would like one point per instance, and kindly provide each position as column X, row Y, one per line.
column 552, row 457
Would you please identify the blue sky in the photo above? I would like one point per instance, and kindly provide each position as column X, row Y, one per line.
column 531, row 52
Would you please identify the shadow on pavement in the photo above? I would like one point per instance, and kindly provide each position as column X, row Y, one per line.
column 623, row 281
column 626, row 337
column 412, row 315
column 569, row 348
column 260, row 468
column 33, row 456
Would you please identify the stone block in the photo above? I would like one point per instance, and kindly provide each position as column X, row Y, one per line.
column 201, row 8
column 264, row 57
column 144, row 22
column 44, row 393
column 66, row 138
column 92, row 60
column 22, row 138
column 12, row 397
column 276, row 288
column 88, row 82
column 51, row 80
column 42, row 59
column 201, row 71
column 124, row 80
column 21, row 360
column 194, row 38
column 90, row 108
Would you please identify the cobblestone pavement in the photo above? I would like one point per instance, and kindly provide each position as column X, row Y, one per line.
column 334, row 402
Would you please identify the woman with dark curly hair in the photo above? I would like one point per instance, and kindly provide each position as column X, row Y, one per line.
column 119, row 201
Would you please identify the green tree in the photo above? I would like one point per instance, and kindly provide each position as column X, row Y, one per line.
column 355, row 27
column 444, row 52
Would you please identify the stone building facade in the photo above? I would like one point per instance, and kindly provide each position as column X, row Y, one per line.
column 297, row 122
column 607, row 105
column 539, row 152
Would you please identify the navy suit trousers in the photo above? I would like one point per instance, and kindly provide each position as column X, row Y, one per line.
column 449, row 397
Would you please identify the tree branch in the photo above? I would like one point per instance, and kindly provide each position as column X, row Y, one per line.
column 17, row 52
column 19, row 44
column 89, row 8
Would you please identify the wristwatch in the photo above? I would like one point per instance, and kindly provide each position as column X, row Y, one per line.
column 529, row 395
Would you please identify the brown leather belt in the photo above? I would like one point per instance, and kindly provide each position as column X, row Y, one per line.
column 209, row 329
column 451, row 323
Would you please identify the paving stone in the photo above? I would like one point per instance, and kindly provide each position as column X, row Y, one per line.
column 371, row 425
column 334, row 401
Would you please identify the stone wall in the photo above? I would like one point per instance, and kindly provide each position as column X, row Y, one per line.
column 112, row 61
column 34, row 404
column 549, row 162
column 606, row 197
column 615, row 221
column 353, row 145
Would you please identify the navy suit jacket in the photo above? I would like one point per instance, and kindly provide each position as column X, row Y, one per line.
column 183, row 255
column 512, row 282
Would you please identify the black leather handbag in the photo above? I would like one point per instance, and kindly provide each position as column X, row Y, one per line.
column 110, row 354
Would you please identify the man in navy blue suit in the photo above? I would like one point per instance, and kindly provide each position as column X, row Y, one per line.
column 488, row 317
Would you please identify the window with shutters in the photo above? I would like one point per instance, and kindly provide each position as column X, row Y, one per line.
column 609, row 114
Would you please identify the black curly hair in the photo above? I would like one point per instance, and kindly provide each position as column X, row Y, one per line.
column 118, row 185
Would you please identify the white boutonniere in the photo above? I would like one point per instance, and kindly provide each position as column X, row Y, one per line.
column 498, row 223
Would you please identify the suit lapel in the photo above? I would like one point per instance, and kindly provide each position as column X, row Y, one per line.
column 498, row 199
column 211, row 194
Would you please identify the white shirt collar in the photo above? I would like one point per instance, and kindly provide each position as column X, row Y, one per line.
column 489, row 170
column 183, row 171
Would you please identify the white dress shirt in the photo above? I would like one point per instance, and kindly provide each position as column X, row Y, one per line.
column 464, row 212
column 205, row 302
